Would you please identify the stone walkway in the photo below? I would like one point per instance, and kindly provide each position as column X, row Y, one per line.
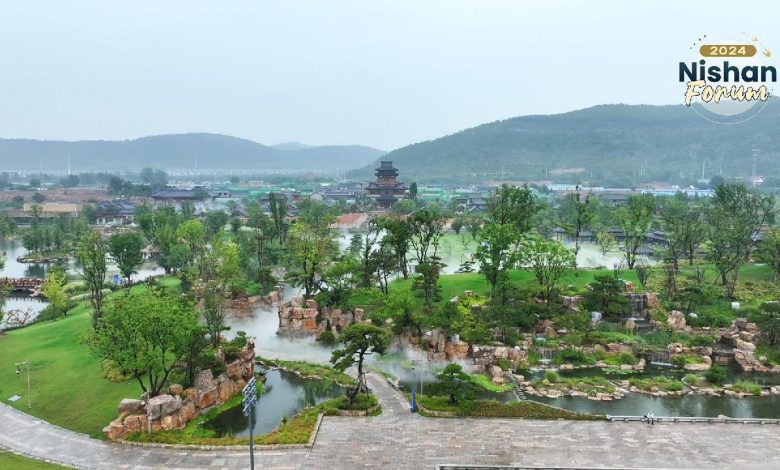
column 399, row 439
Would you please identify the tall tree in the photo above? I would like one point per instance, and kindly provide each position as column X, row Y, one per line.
column 636, row 219
column 427, row 228
column 310, row 249
column 509, row 218
column 735, row 214
column 576, row 214
column 146, row 333
column 549, row 261
column 126, row 249
column 398, row 236
column 92, row 256
column 684, row 226
column 769, row 251
column 359, row 341
column 278, row 208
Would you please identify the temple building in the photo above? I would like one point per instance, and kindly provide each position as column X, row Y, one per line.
column 387, row 189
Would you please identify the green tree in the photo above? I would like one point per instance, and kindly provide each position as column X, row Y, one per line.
column 767, row 318
column 549, row 261
column 605, row 296
column 359, row 341
column 735, row 214
column 509, row 217
column 192, row 235
column 146, row 333
column 53, row 290
column 38, row 198
column 235, row 225
column 576, row 214
column 685, row 228
column 427, row 228
column 310, row 249
column 636, row 219
column 215, row 221
column 398, row 236
column 769, row 251
column 452, row 381
column 92, row 256
column 278, row 207
column 126, row 249
column 413, row 190
column 606, row 242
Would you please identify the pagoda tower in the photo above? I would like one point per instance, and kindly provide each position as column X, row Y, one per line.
column 386, row 190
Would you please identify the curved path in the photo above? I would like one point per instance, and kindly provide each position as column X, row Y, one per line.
column 399, row 439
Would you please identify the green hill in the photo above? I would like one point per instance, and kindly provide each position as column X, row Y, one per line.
column 608, row 144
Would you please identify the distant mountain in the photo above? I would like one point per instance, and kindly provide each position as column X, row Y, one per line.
column 210, row 151
column 285, row 146
column 613, row 144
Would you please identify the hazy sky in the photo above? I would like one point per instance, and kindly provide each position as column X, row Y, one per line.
column 379, row 73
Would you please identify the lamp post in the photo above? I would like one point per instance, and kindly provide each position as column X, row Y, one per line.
column 18, row 372
column 414, row 364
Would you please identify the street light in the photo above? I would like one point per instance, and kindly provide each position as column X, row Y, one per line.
column 414, row 363
column 18, row 373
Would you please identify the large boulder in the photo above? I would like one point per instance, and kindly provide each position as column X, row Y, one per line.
column 745, row 346
column 456, row 350
column 204, row 380
column 130, row 406
column 114, row 430
column 163, row 405
column 676, row 320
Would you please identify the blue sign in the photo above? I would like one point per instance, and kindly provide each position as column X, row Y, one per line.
column 249, row 396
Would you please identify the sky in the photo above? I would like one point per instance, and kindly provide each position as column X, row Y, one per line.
column 379, row 73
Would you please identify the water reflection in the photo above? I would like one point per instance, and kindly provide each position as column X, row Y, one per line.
column 285, row 395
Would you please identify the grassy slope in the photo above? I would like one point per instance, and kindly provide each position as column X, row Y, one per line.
column 67, row 387
column 16, row 462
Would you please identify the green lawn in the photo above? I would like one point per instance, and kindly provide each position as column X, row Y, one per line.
column 67, row 387
column 16, row 462
column 456, row 284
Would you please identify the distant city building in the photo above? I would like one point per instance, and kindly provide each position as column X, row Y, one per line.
column 387, row 189
column 174, row 196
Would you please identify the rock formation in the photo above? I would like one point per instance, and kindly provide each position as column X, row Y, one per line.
column 174, row 409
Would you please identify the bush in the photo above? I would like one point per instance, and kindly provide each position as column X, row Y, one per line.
column 572, row 356
column 747, row 386
column 551, row 376
column 716, row 316
column 716, row 375
column 692, row 379
column 505, row 364
column 701, row 341
column 626, row 358
column 327, row 337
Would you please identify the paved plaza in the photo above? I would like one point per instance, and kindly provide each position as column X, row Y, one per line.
column 399, row 439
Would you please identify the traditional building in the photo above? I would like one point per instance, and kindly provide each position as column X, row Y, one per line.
column 387, row 189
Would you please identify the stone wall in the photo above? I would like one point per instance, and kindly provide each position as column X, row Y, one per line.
column 307, row 317
column 173, row 410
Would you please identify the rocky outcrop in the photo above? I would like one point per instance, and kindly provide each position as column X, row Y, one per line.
column 676, row 320
column 297, row 316
column 173, row 410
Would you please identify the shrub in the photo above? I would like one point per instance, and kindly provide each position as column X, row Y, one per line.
column 327, row 337
column 701, row 341
column 716, row 316
column 551, row 376
column 505, row 364
column 692, row 379
column 627, row 358
column 716, row 375
column 572, row 356
column 747, row 386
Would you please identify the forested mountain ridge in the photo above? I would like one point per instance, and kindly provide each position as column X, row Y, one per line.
column 206, row 151
column 608, row 143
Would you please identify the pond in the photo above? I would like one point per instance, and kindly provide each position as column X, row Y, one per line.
column 285, row 394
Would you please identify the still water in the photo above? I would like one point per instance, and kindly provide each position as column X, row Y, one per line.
column 284, row 395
